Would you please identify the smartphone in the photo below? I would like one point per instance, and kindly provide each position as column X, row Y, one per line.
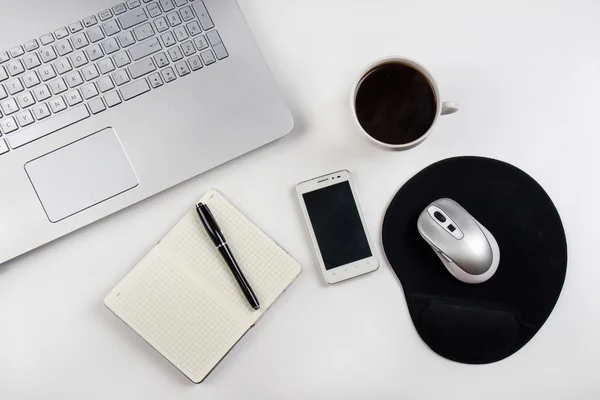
column 337, row 227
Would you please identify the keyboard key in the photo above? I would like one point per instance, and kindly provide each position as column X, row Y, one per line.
column 167, row 5
column 104, row 15
column 112, row 99
column 201, row 43
column 134, row 89
column 168, row 39
column 133, row 4
column 73, row 97
column 180, row 3
column 94, row 52
column 153, row 9
column 41, row 93
column 133, row 18
column 111, row 27
column 8, row 125
column 143, row 32
column 15, row 67
column 181, row 34
column 95, row 34
column 161, row 24
column 41, row 111
column 110, row 46
column 58, row 86
column 49, row 125
column 63, row 47
column 97, row 105
column 213, row 37
column 75, row 27
column 182, row 68
column 25, row 118
column 195, row 63
column 4, row 57
column 47, row 72
column 168, row 74
column 90, row 21
column 119, row 9
column 17, row 51
column 63, row 66
column 203, row 16
column 175, row 53
column 88, row 91
column 194, row 28
column 106, row 66
column 90, row 72
column 57, row 104
column 25, row 99
column 48, row 54
column 161, row 60
column 105, row 84
column 61, row 33
column 32, row 61
column 31, row 79
column 14, row 86
column 3, row 93
column 47, row 39
column 186, row 14
column 78, row 59
column 3, row 147
column 79, row 41
column 126, row 39
column 174, row 18
column 32, row 45
column 9, row 106
column 220, row 51
column 141, row 68
column 3, row 74
column 122, row 59
column 208, row 57
column 155, row 80
column 144, row 49
column 121, row 77
column 74, row 79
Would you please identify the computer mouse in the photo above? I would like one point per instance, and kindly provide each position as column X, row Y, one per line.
column 466, row 248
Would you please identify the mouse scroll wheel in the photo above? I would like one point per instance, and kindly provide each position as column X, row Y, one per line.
column 439, row 216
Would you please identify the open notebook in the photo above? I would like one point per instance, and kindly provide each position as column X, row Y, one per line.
column 184, row 301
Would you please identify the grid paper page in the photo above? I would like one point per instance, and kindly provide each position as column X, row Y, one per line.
column 263, row 262
column 178, row 319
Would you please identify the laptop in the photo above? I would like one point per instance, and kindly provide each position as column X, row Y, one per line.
column 103, row 104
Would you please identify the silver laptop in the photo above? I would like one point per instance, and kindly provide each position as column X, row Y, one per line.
column 103, row 104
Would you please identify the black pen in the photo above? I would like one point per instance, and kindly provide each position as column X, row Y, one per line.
column 215, row 233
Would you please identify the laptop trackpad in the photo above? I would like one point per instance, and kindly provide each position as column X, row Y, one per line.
column 81, row 174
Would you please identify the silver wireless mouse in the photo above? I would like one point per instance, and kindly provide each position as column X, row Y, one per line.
column 467, row 249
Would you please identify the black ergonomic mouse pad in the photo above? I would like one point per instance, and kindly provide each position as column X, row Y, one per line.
column 484, row 323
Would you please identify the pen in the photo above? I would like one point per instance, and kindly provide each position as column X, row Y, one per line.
column 215, row 233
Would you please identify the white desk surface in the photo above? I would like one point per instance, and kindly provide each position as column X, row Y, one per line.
column 527, row 77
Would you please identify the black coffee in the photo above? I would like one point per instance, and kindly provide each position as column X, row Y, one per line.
column 395, row 103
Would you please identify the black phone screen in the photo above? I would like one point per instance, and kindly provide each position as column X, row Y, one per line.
column 337, row 226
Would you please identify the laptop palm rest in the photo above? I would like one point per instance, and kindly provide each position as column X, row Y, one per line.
column 81, row 174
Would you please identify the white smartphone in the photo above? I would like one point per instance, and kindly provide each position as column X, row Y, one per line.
column 337, row 227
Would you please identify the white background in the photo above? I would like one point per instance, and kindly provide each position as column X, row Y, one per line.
column 527, row 77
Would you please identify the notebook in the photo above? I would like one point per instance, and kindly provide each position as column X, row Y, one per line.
column 183, row 299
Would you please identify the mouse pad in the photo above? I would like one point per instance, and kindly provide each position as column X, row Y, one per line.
column 483, row 323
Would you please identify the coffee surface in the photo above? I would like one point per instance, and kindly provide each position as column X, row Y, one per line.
column 395, row 103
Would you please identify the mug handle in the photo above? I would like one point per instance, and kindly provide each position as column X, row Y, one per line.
column 449, row 107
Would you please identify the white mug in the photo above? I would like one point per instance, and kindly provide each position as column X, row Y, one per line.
column 443, row 108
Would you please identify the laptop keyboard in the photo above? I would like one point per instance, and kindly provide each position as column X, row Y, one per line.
column 101, row 62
